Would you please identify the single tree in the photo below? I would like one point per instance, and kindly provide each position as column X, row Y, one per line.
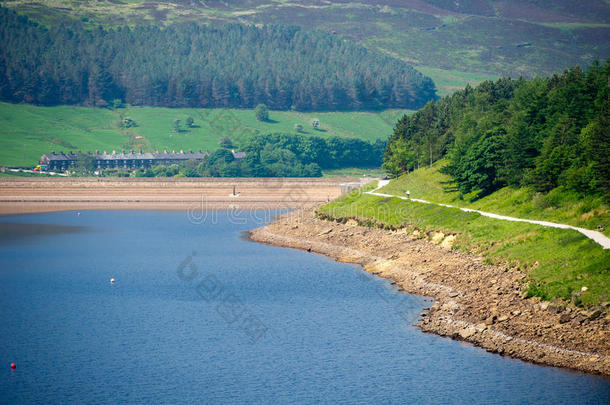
column 262, row 112
column 176, row 125
column 127, row 122
column 298, row 127
column 85, row 163
column 225, row 142
column 190, row 121
column 315, row 123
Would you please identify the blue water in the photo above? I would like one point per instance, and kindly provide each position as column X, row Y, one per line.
column 199, row 314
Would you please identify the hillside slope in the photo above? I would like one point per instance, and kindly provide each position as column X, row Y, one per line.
column 559, row 205
column 498, row 37
column 558, row 262
column 192, row 65
column 26, row 132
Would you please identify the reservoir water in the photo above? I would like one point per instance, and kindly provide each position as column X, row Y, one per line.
column 199, row 314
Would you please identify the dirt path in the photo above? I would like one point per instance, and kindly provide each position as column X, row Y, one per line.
column 478, row 303
column 595, row 236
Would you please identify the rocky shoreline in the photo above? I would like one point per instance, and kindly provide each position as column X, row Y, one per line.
column 476, row 302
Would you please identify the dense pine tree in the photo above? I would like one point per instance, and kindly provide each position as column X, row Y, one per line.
column 545, row 132
column 190, row 65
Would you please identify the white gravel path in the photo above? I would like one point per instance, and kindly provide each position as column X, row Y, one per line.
column 595, row 236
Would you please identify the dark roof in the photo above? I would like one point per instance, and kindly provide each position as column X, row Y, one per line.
column 127, row 156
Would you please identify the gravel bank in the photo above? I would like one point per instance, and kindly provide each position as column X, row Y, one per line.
column 24, row 195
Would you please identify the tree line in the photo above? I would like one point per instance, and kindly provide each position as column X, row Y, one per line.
column 274, row 155
column 191, row 65
column 546, row 133
column 286, row 155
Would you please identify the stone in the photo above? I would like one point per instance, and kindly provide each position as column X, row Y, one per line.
column 490, row 320
column 583, row 289
column 565, row 318
column 594, row 314
column 450, row 306
column 326, row 232
column 544, row 305
column 467, row 332
column 447, row 243
column 503, row 318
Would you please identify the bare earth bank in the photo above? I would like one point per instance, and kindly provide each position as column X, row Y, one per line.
column 24, row 195
column 474, row 302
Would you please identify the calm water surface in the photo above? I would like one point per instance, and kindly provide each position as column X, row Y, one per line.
column 198, row 314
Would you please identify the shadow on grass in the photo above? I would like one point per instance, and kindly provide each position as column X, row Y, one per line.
column 449, row 186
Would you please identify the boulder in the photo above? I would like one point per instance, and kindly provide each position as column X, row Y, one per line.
column 503, row 318
column 467, row 332
column 565, row 318
column 325, row 232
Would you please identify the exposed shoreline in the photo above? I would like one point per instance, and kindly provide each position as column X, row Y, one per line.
column 478, row 303
column 29, row 195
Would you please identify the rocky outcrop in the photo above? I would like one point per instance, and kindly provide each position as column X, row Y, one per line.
column 475, row 302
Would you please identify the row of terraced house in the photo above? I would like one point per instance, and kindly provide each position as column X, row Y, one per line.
column 123, row 160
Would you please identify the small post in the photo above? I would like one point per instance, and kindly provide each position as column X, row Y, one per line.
column 408, row 195
column 233, row 190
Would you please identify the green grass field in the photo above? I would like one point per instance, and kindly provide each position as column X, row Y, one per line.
column 27, row 132
column 557, row 206
column 449, row 81
column 558, row 262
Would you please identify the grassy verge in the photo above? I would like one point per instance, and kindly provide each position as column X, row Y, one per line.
column 559, row 262
column 24, row 174
column 559, row 205
column 27, row 132
column 354, row 172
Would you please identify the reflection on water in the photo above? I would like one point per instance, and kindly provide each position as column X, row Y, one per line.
column 13, row 231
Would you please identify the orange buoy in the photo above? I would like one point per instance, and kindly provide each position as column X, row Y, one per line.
column 13, row 366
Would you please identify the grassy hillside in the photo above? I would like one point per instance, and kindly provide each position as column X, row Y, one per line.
column 556, row 206
column 26, row 132
column 485, row 37
column 447, row 81
column 559, row 262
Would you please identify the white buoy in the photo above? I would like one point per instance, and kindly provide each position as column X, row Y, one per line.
column 111, row 281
